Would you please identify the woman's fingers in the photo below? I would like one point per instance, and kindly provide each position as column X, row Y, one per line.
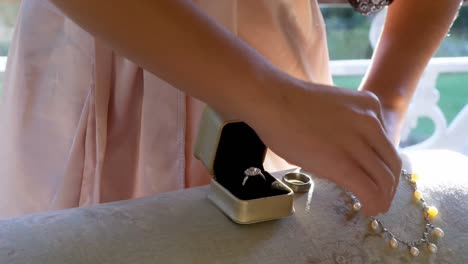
column 376, row 169
column 374, row 130
column 353, row 178
column 385, row 150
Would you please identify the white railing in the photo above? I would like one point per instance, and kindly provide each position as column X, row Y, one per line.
column 2, row 67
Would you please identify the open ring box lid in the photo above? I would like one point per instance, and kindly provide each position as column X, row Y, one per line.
column 228, row 146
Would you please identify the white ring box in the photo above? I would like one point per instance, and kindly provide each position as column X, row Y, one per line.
column 227, row 146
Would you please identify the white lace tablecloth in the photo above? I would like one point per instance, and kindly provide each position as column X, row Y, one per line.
column 184, row 227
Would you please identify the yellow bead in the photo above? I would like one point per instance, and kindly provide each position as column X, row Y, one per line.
column 415, row 177
column 432, row 211
column 417, row 195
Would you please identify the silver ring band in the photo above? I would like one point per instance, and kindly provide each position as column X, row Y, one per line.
column 298, row 182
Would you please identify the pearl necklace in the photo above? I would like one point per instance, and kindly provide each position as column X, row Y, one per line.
column 429, row 212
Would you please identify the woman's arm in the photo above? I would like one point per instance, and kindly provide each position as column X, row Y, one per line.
column 174, row 40
column 412, row 33
column 333, row 133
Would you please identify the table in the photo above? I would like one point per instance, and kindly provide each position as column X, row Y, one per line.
column 184, row 227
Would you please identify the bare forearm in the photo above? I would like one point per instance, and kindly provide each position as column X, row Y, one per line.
column 412, row 33
column 178, row 43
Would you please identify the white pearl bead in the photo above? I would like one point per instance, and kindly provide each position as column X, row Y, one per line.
column 438, row 232
column 393, row 243
column 357, row 206
column 414, row 251
column 374, row 225
column 432, row 248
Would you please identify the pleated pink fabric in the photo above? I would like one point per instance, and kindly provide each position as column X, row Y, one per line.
column 81, row 125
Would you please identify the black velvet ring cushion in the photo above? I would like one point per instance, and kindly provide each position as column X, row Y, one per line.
column 240, row 148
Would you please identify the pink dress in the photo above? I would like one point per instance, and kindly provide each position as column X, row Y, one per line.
column 81, row 125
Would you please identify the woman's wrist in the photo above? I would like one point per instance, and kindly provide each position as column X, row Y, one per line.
column 270, row 91
column 393, row 111
column 391, row 99
column 394, row 105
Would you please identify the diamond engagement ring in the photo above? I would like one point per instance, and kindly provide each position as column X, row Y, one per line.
column 252, row 172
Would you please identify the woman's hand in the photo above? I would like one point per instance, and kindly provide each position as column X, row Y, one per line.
column 335, row 134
